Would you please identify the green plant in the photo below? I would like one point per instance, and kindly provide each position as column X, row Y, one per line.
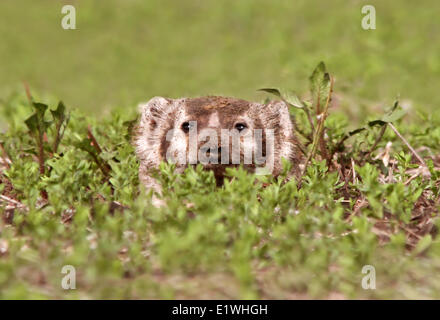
column 71, row 196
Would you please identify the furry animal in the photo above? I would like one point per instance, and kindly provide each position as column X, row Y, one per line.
column 167, row 129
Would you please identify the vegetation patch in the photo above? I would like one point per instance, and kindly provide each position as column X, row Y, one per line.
column 70, row 195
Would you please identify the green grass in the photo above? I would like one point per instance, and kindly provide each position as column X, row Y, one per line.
column 124, row 52
column 254, row 237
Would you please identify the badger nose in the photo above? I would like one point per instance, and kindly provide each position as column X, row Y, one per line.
column 212, row 152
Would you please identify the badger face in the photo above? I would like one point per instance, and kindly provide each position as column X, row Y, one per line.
column 216, row 132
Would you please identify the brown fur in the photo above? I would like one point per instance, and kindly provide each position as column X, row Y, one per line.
column 160, row 115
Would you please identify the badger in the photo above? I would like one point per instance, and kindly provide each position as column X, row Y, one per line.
column 216, row 132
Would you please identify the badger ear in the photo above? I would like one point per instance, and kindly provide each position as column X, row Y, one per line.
column 154, row 111
column 277, row 115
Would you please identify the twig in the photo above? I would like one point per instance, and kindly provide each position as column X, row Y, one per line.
column 354, row 172
column 16, row 203
column 361, row 203
column 28, row 92
column 381, row 133
column 59, row 135
column 318, row 107
column 407, row 144
column 410, row 232
column 92, row 138
column 339, row 144
column 411, row 179
column 6, row 158
column 105, row 168
column 41, row 160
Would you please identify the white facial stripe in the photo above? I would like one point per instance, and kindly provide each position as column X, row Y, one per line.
column 214, row 121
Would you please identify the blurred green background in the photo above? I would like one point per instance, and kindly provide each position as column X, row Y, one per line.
column 126, row 51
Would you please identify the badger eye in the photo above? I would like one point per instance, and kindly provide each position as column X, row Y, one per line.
column 240, row 126
column 186, row 126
